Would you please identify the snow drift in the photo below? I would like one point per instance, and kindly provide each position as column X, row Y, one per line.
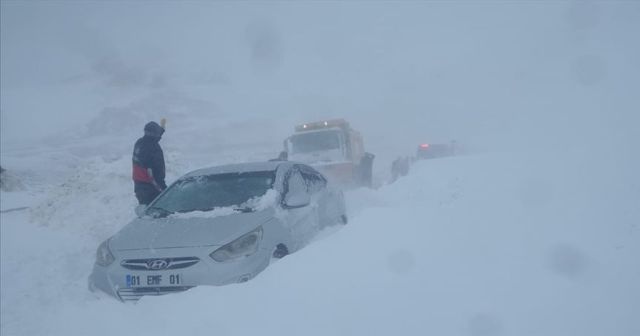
column 479, row 245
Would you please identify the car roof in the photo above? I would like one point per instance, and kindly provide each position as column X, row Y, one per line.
column 239, row 168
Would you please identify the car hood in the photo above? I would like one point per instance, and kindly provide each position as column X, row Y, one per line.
column 158, row 233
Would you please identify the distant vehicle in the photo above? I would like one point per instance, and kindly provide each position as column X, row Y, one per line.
column 401, row 166
column 217, row 226
column 335, row 149
column 438, row 150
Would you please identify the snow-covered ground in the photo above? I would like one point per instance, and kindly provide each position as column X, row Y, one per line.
column 487, row 244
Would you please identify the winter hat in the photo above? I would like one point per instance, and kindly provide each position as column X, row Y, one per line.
column 153, row 129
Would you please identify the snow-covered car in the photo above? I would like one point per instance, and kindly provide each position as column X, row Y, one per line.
column 217, row 226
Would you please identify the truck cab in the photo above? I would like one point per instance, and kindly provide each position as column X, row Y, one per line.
column 334, row 148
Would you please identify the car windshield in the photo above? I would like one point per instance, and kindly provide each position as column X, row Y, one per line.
column 204, row 193
column 315, row 141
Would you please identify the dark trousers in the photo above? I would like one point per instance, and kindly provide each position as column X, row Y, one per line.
column 145, row 192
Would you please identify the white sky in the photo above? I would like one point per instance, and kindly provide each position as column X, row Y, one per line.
column 481, row 72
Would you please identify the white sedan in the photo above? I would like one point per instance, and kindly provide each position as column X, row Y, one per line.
column 217, row 226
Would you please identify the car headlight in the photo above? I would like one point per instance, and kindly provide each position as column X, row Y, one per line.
column 103, row 254
column 241, row 247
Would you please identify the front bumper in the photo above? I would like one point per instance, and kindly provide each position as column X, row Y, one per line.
column 130, row 285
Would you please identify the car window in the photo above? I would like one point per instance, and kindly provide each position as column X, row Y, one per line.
column 203, row 193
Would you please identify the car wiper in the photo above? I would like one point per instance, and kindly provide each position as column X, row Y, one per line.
column 245, row 209
column 158, row 212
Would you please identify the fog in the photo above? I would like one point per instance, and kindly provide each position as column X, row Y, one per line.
column 533, row 231
column 487, row 74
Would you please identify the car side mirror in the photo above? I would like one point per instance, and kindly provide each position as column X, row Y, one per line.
column 140, row 210
column 297, row 200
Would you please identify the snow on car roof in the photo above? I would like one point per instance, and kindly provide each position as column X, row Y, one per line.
column 319, row 130
column 239, row 168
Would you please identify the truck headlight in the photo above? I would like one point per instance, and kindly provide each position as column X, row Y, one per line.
column 103, row 254
column 241, row 247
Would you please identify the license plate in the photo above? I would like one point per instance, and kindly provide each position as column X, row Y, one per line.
column 154, row 280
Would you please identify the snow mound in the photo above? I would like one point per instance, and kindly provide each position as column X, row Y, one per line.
column 491, row 244
column 94, row 202
column 179, row 108
column 9, row 182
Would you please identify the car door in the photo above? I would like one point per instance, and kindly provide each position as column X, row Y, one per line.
column 300, row 219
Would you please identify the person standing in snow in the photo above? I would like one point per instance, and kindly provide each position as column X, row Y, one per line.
column 148, row 164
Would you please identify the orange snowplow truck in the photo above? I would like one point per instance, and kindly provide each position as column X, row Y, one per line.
column 333, row 148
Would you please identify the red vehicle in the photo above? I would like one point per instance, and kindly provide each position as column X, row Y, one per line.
column 432, row 151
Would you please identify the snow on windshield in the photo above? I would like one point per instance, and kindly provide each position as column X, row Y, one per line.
column 205, row 193
column 257, row 203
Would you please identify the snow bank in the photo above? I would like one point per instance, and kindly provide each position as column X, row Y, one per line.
column 9, row 182
column 94, row 202
column 478, row 245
